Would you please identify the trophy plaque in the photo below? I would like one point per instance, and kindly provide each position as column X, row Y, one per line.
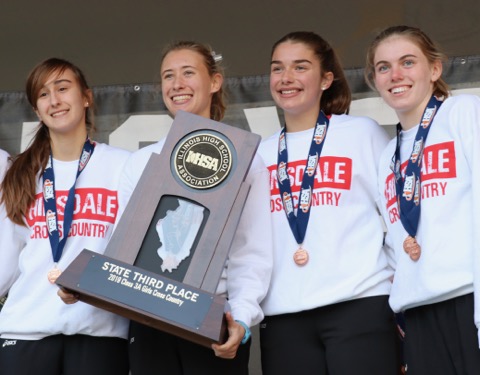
column 164, row 261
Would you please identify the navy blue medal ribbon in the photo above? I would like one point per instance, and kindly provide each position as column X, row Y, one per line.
column 299, row 222
column 50, row 204
column 408, row 188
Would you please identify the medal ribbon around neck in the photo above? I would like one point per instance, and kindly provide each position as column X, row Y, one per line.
column 408, row 188
column 50, row 204
column 299, row 222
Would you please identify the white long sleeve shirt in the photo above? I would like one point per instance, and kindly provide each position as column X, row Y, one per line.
column 33, row 309
column 344, row 236
column 448, row 232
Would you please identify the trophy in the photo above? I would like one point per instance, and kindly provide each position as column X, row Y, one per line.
column 166, row 256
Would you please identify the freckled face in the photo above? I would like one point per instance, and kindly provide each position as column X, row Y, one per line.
column 404, row 77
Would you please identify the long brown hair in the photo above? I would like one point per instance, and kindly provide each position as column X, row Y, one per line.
column 421, row 40
column 337, row 99
column 19, row 185
column 217, row 109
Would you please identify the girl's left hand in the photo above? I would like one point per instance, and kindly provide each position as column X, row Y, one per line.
column 228, row 350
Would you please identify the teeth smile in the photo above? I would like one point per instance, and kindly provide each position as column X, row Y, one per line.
column 397, row 90
column 286, row 92
column 58, row 113
column 181, row 97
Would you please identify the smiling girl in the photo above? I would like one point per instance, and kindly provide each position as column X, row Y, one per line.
column 429, row 182
column 192, row 81
column 54, row 188
column 327, row 307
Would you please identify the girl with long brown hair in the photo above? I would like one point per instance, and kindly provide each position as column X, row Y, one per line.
column 59, row 196
column 326, row 311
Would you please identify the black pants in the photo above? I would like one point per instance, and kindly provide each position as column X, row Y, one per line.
column 350, row 338
column 64, row 355
column 153, row 352
column 441, row 339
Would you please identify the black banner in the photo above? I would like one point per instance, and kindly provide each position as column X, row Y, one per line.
column 132, row 116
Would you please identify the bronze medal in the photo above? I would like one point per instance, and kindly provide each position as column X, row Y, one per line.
column 412, row 248
column 300, row 257
column 53, row 275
